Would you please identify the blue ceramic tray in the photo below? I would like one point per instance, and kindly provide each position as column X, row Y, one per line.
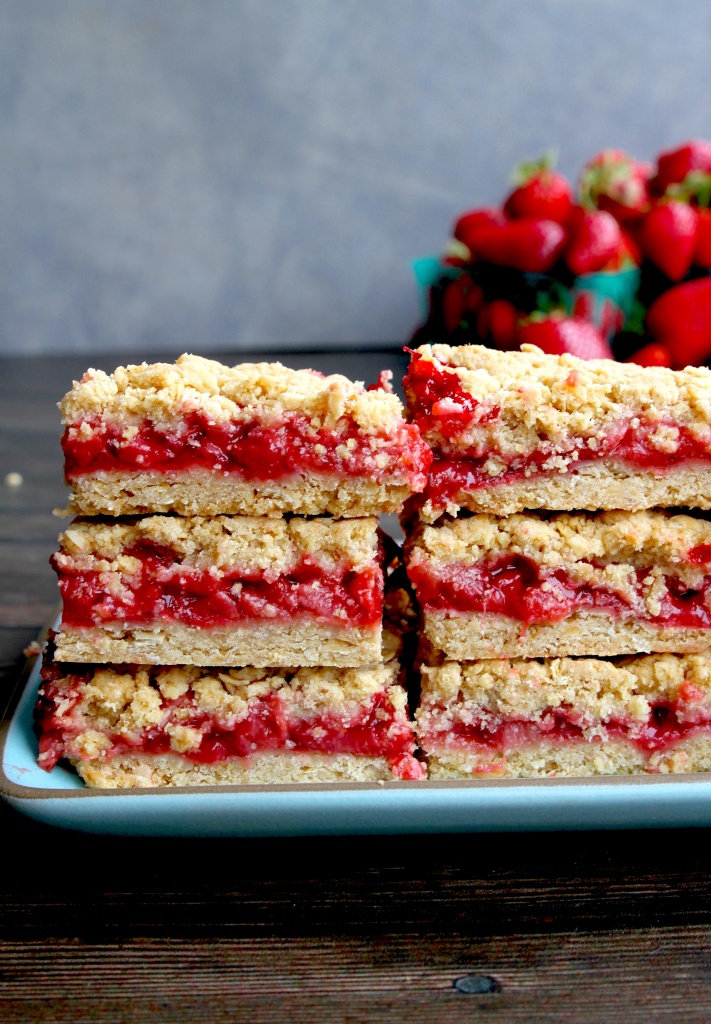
column 60, row 798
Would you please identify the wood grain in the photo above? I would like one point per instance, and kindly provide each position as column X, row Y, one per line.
column 626, row 977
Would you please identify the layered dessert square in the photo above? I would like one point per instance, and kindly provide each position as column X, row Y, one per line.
column 532, row 585
column 224, row 590
column 566, row 717
column 132, row 726
column 200, row 438
column 524, row 430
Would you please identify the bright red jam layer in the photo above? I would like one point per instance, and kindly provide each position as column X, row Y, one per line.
column 441, row 406
column 165, row 591
column 517, row 587
column 249, row 450
column 374, row 731
column 668, row 724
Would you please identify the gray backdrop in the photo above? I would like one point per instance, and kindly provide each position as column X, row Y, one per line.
column 249, row 174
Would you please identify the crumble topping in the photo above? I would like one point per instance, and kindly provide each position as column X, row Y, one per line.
column 165, row 392
column 592, row 689
column 584, row 544
column 130, row 701
column 220, row 542
column 530, row 400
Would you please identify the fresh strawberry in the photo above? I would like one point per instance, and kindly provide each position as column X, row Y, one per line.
column 615, row 182
column 473, row 222
column 502, row 321
column 595, row 241
column 668, row 237
column 681, row 319
column 541, row 193
column 653, row 354
column 557, row 334
column 628, row 253
column 461, row 297
column 532, row 245
column 702, row 252
column 675, row 164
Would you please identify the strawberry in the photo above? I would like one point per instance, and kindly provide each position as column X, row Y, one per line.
column 541, row 193
column 502, row 321
column 595, row 241
column 556, row 334
column 653, row 354
column 461, row 296
column 471, row 223
column 531, row 245
column 668, row 237
column 702, row 252
column 681, row 319
column 675, row 164
column 615, row 182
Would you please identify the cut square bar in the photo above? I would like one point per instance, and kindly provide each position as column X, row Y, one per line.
column 530, row 585
column 129, row 726
column 226, row 590
column 200, row 438
column 524, row 430
column 566, row 717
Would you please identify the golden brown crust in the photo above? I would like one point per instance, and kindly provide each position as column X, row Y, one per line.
column 200, row 492
column 591, row 486
column 548, row 759
column 587, row 634
column 547, row 397
column 258, row 644
column 279, row 768
column 219, row 543
column 165, row 392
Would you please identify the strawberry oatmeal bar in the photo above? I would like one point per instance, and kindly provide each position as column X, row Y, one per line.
column 132, row 726
column 518, row 430
column 566, row 717
column 200, row 438
column 163, row 590
column 535, row 585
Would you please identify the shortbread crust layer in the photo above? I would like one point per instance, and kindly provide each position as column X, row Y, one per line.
column 566, row 716
column 589, row 487
column 468, row 637
column 257, row 438
column 202, row 493
column 508, row 428
column 302, row 643
column 141, row 771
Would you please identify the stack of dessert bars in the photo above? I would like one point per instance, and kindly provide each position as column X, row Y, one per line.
column 561, row 565
column 223, row 582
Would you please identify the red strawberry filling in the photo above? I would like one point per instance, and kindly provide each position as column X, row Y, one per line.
column 250, row 450
column 443, row 407
column 374, row 729
column 666, row 725
column 517, row 587
column 166, row 591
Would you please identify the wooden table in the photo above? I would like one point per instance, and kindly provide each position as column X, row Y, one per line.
column 611, row 926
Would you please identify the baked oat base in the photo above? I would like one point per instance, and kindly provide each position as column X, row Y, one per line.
column 470, row 637
column 305, row 644
column 143, row 771
column 592, row 487
column 547, row 759
column 203, row 493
